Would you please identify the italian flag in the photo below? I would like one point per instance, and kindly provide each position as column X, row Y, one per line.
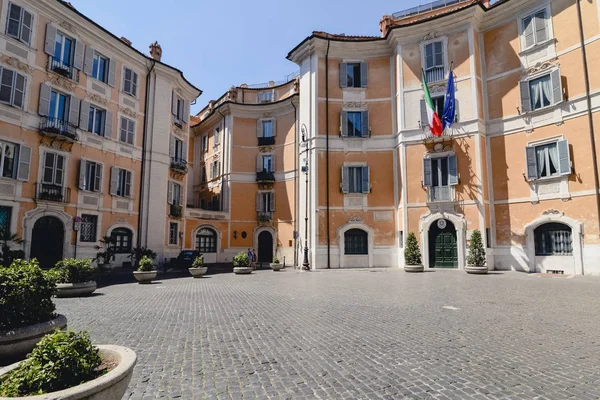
column 435, row 123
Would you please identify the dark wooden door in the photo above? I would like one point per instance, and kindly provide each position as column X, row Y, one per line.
column 265, row 247
column 443, row 250
column 47, row 241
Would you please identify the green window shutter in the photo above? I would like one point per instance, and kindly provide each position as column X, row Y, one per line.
column 343, row 75
column 427, row 177
column 564, row 157
column 532, row 172
column 525, row 96
column 452, row 171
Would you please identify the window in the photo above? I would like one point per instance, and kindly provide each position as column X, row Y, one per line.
column 438, row 104
column 173, row 232
column 127, row 131
column 179, row 110
column 265, row 203
column 12, row 88
column 19, row 23
column 177, row 149
column 541, row 92
column 355, row 124
column 553, row 239
column 267, row 128
column 54, row 167
column 535, row 29
column 59, row 107
column 121, row 239
column 175, row 194
column 548, row 160
column 440, row 175
column 434, row 61
column 120, row 182
column 214, row 170
column 130, row 82
column 100, row 67
column 8, row 166
column 204, row 148
column 353, row 75
column 217, row 135
column 206, row 241
column 216, row 202
column 87, row 230
column 5, row 219
column 356, row 242
column 203, row 177
column 268, row 163
column 265, row 97
column 355, row 179
column 90, row 176
column 63, row 49
column 96, row 121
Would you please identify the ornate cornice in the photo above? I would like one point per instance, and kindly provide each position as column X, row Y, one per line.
column 97, row 99
column 128, row 112
column 18, row 64
column 540, row 67
column 355, row 104
column 432, row 35
column 66, row 84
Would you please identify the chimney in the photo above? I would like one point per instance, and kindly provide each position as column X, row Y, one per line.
column 244, row 85
column 271, row 83
column 126, row 41
column 155, row 51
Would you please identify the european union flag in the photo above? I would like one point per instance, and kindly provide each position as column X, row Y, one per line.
column 449, row 104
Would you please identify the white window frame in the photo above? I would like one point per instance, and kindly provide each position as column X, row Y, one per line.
column 13, row 88
column 270, row 121
column 204, row 144
column 16, row 156
column 127, row 133
column 134, row 85
column 444, row 40
column 97, row 110
column 21, row 24
column 530, row 13
column 100, row 183
column 72, row 50
column 266, row 96
column 124, row 189
column 42, row 168
column 543, row 142
column 98, row 55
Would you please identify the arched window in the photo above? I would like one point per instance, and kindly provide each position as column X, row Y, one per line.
column 121, row 238
column 553, row 239
column 356, row 242
column 206, row 241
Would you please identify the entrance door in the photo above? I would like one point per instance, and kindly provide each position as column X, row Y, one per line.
column 265, row 247
column 47, row 241
column 443, row 251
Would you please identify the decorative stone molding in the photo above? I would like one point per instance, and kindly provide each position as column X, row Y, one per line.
column 267, row 115
column 539, row 67
column 354, row 219
column 265, row 149
column 296, row 85
column 62, row 145
column 553, row 212
column 66, row 84
column 355, row 104
column 232, row 94
column 127, row 111
column 18, row 64
column 97, row 99
column 431, row 35
column 460, row 225
column 67, row 26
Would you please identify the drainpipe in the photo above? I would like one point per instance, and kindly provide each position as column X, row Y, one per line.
column 295, row 184
column 144, row 139
column 327, row 150
column 588, row 97
column 223, row 153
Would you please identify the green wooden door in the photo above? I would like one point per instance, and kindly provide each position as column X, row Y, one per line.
column 446, row 252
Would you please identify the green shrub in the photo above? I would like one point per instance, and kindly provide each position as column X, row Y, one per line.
column 241, row 260
column 198, row 262
column 60, row 360
column 476, row 255
column 276, row 260
column 412, row 254
column 73, row 270
column 25, row 295
column 146, row 265
column 137, row 253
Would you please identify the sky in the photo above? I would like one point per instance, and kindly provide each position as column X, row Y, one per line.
column 218, row 44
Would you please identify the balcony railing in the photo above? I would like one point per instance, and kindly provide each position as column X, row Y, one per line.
column 264, row 216
column 55, row 126
column 265, row 176
column 441, row 194
column 435, row 74
column 179, row 164
column 176, row 211
column 51, row 192
column 60, row 67
column 266, row 141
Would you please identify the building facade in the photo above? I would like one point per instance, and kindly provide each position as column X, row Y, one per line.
column 517, row 164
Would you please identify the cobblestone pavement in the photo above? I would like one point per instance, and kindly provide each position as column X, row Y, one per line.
column 357, row 334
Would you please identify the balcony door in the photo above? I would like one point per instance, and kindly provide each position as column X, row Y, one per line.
column 47, row 241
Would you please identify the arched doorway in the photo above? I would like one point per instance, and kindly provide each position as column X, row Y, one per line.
column 554, row 248
column 443, row 250
column 207, row 244
column 265, row 247
column 47, row 241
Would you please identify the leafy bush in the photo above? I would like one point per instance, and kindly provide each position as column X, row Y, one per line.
column 198, row 262
column 146, row 265
column 108, row 250
column 276, row 260
column 73, row 270
column 59, row 361
column 137, row 253
column 25, row 295
column 476, row 255
column 241, row 260
column 412, row 254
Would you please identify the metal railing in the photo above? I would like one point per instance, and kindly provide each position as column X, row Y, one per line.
column 265, row 176
column 60, row 67
column 52, row 192
column 264, row 216
column 441, row 194
column 286, row 79
column 426, row 8
column 58, row 127
column 436, row 74
column 179, row 164
column 176, row 211
column 266, row 141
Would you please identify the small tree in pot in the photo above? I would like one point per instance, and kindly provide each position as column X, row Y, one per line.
column 412, row 255
column 242, row 264
column 74, row 277
column 476, row 261
column 146, row 272
column 276, row 264
column 104, row 257
column 198, row 269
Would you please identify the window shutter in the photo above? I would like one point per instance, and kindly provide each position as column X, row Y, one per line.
column 24, row 163
column 541, row 27
column 170, row 193
column 272, row 201
column 424, row 118
column 88, row 62
column 44, row 105
column 112, row 72
column 74, row 110
column 108, row 124
column 452, row 171
column 564, row 157
column 174, row 104
column 365, row 124
column 273, row 169
column 274, row 127
column 258, row 201
column 456, row 111
column 364, row 74
column 186, row 111
column 98, row 185
column 129, row 184
column 345, row 180
column 20, row 84
column 259, row 163
column 531, row 162
column 184, row 151
column 525, row 96
column 528, row 39
column 114, row 180
column 172, row 147
column 84, row 115
column 344, row 123
column 50, row 39
column 81, row 174
column 557, row 94
column 427, row 178
column 366, row 180
column 259, row 129
column 78, row 57
column 343, row 75
column 26, row 27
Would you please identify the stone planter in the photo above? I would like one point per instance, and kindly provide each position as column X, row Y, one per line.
column 18, row 342
column 145, row 276
column 413, row 268
column 111, row 386
column 198, row 272
column 242, row 270
column 75, row 289
column 276, row 267
column 106, row 267
column 471, row 269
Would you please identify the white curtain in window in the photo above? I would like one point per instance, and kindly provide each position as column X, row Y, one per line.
column 535, row 95
column 547, row 90
column 541, row 161
column 553, row 153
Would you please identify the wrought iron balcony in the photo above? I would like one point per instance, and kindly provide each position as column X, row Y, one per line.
column 264, row 216
column 266, row 141
column 179, row 164
column 176, row 211
column 441, row 194
column 51, row 192
column 60, row 67
column 265, row 176
column 51, row 126
column 436, row 74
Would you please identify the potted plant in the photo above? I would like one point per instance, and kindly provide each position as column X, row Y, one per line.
column 242, row 264
column 276, row 265
column 65, row 365
column 146, row 272
column 412, row 255
column 137, row 253
column 476, row 263
column 198, row 269
column 74, row 277
column 107, row 253
column 26, row 308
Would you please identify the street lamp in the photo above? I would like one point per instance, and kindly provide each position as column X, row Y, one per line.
column 305, row 263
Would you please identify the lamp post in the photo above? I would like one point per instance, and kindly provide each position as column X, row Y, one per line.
column 305, row 263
